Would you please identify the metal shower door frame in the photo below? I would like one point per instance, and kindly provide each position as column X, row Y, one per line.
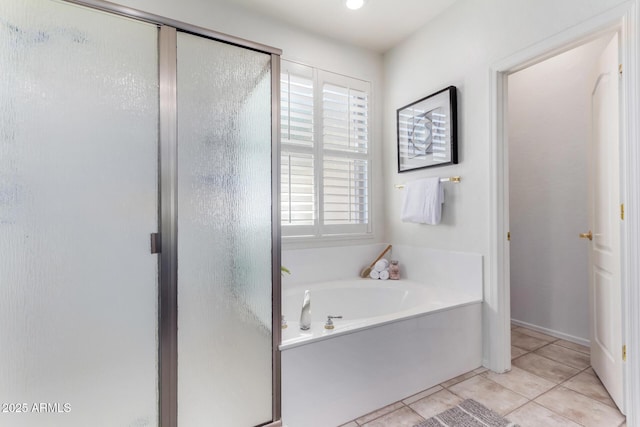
column 168, row 215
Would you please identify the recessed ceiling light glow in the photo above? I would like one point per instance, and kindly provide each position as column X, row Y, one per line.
column 354, row 4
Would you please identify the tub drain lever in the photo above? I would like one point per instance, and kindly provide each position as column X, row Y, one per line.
column 329, row 324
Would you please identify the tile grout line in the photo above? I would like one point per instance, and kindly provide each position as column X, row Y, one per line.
column 551, row 342
column 577, row 392
column 553, row 339
column 447, row 388
column 541, row 394
column 553, row 360
column 562, row 363
column 520, row 394
column 589, row 397
column 515, row 409
column 404, row 405
column 551, row 410
column 411, row 409
column 562, row 385
column 555, row 386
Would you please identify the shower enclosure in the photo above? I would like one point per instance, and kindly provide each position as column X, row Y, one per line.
column 139, row 242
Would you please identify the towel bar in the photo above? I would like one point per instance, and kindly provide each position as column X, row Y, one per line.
column 455, row 179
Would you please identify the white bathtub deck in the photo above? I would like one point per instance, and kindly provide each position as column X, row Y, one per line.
column 429, row 299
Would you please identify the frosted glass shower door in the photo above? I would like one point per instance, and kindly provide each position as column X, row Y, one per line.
column 224, row 234
column 78, row 199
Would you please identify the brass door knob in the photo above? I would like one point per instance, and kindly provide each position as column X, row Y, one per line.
column 588, row 235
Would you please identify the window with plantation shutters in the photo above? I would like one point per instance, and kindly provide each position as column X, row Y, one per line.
column 297, row 182
column 325, row 160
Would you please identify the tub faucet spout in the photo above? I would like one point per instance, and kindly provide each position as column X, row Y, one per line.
column 305, row 314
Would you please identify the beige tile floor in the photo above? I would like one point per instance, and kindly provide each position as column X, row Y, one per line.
column 550, row 385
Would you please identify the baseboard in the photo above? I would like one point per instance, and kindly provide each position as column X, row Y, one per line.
column 553, row 333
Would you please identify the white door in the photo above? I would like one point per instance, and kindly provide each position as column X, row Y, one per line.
column 604, row 254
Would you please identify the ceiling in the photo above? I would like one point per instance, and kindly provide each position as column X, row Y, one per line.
column 379, row 25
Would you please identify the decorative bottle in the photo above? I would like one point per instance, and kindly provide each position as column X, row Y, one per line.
column 394, row 270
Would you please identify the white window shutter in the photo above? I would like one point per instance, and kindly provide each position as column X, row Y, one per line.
column 344, row 119
column 296, row 112
column 345, row 191
column 345, row 155
column 297, row 189
column 325, row 160
column 297, row 134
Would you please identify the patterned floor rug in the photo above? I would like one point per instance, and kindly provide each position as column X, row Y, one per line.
column 467, row 414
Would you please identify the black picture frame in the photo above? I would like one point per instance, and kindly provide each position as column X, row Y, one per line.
column 427, row 131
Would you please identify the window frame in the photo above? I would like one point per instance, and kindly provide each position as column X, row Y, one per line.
column 320, row 231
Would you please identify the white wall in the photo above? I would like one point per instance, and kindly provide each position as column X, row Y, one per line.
column 297, row 45
column 549, row 130
column 458, row 48
column 454, row 270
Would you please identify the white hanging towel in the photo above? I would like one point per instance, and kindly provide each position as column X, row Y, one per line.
column 423, row 200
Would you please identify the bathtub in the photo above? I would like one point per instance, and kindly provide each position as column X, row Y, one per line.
column 395, row 339
column 362, row 303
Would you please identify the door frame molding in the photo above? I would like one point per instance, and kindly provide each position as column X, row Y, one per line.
column 623, row 18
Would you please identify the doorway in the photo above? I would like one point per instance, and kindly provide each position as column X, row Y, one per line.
column 497, row 290
column 553, row 116
column 139, row 269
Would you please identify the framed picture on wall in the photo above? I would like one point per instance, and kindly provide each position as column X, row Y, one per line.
column 427, row 131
